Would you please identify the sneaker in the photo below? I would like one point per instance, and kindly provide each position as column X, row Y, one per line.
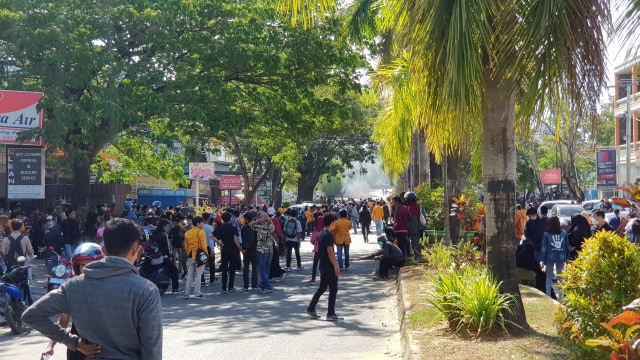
column 215, row 280
column 288, row 269
column 184, row 275
column 198, row 296
column 245, row 289
column 380, row 278
column 255, row 289
column 312, row 314
column 203, row 284
column 342, row 268
column 284, row 275
column 267, row 290
column 186, row 297
column 334, row 317
column 224, row 291
column 232, row 289
column 177, row 291
column 312, row 281
column 300, row 268
column 346, row 267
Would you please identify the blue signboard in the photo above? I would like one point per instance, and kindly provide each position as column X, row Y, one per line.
column 165, row 196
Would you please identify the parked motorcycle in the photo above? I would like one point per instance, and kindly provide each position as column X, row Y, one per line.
column 59, row 269
column 15, row 295
column 151, row 268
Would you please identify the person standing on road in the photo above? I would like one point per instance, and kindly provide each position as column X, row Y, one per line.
column 177, row 247
column 401, row 226
column 521, row 220
column 194, row 240
column 310, row 224
column 278, row 250
column 211, row 246
column 265, row 244
column 133, row 327
column 534, row 230
column 554, row 252
column 355, row 218
column 70, row 232
column 314, row 241
column 342, row 238
column 365, row 222
column 250, row 257
column 160, row 238
column 378, row 215
column 293, row 234
column 227, row 237
column 329, row 271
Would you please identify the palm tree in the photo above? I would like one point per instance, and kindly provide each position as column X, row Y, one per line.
column 498, row 63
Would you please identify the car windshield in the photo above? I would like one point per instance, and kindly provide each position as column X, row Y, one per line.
column 569, row 211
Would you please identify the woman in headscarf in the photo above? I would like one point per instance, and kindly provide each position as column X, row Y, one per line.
column 580, row 231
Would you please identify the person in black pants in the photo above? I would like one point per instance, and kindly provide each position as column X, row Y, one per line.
column 227, row 237
column 161, row 240
column 329, row 271
column 250, row 257
column 390, row 255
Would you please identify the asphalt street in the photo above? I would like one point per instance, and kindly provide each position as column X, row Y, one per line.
column 256, row 325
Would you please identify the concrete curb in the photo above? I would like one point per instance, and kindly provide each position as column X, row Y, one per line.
column 409, row 347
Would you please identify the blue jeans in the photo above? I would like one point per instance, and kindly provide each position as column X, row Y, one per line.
column 559, row 267
column 264, row 261
column 378, row 226
column 68, row 249
column 354, row 225
column 346, row 255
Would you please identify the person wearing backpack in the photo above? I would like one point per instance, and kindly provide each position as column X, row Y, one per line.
column 250, row 257
column 15, row 245
column 293, row 234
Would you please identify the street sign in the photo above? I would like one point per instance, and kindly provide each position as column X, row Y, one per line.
column 606, row 172
column 230, row 182
column 201, row 170
column 25, row 173
column 18, row 113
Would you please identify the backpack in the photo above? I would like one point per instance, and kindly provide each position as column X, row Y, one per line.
column 291, row 228
column 248, row 238
column 15, row 251
column 415, row 226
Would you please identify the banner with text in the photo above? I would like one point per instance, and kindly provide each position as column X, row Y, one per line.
column 25, row 173
column 201, row 170
column 230, row 182
column 18, row 112
column 606, row 172
column 551, row 176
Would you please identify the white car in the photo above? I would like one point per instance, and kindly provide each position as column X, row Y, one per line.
column 551, row 203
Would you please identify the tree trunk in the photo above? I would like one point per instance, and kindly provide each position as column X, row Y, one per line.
column 276, row 188
column 306, row 188
column 452, row 188
column 424, row 160
column 81, row 191
column 499, row 178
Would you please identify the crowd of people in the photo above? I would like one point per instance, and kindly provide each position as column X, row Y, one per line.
column 254, row 240
column 544, row 247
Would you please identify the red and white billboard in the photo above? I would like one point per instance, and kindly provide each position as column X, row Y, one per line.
column 230, row 182
column 18, row 113
column 551, row 176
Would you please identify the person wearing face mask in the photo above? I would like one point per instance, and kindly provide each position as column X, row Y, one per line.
column 389, row 256
column 534, row 230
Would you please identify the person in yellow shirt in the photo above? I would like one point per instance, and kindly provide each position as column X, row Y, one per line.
column 310, row 225
column 521, row 220
column 341, row 233
column 194, row 240
column 378, row 214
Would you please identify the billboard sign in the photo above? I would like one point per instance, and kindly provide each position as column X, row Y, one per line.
column 551, row 176
column 201, row 170
column 606, row 172
column 230, row 182
column 25, row 173
column 18, row 112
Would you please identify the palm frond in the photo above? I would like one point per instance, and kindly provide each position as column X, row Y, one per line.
column 307, row 12
column 362, row 24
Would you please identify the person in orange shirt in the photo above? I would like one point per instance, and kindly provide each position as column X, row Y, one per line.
column 341, row 233
column 521, row 220
column 311, row 220
column 378, row 214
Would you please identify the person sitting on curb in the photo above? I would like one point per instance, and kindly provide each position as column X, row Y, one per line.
column 390, row 255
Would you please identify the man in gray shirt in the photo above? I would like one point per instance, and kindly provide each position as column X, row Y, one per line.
column 111, row 305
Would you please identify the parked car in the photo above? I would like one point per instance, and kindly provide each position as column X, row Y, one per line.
column 549, row 204
column 591, row 205
column 565, row 212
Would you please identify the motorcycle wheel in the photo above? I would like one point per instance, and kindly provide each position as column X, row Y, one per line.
column 13, row 315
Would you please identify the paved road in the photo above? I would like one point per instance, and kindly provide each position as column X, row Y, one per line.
column 253, row 325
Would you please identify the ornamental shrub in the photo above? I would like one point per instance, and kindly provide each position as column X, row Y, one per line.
column 596, row 286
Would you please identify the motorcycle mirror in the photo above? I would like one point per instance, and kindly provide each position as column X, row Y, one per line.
column 50, row 247
column 21, row 259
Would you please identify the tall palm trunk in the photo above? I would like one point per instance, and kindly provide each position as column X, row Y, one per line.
column 452, row 188
column 499, row 178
